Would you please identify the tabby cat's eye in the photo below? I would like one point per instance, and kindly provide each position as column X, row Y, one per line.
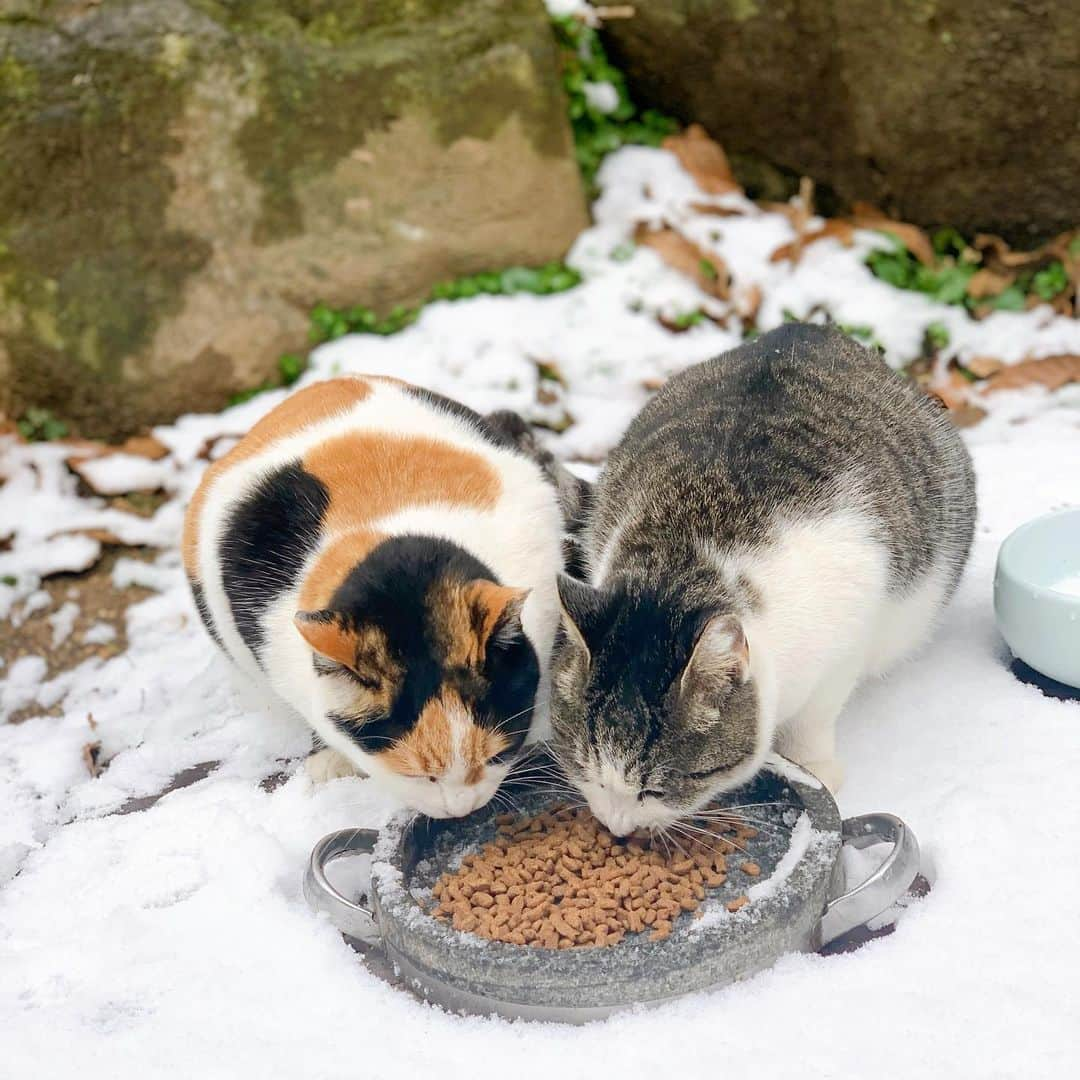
column 651, row 794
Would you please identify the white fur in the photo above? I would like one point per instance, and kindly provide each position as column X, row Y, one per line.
column 519, row 539
column 826, row 620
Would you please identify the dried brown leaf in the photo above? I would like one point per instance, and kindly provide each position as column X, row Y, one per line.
column 145, row 446
column 987, row 282
column 708, row 271
column 995, row 251
column 1052, row 372
column 91, row 752
column 703, row 159
column 103, row 536
column 714, row 210
column 967, row 415
column 834, row 228
column 866, row 216
column 748, row 302
column 982, row 367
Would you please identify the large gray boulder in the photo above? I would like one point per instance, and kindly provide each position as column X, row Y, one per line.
column 959, row 113
column 182, row 179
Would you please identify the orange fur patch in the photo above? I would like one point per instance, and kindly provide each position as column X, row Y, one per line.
column 333, row 564
column 329, row 639
column 371, row 475
column 365, row 651
column 466, row 616
column 428, row 749
column 314, row 403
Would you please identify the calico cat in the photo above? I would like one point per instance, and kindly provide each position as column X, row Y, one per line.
column 386, row 562
column 777, row 524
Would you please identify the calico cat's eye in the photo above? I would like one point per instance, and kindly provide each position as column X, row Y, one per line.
column 651, row 794
column 433, row 779
column 366, row 681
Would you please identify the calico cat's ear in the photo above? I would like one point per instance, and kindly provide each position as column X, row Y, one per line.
column 579, row 603
column 495, row 612
column 721, row 657
column 326, row 634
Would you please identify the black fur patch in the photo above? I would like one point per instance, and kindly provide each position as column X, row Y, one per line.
column 391, row 589
column 266, row 540
column 492, row 432
column 199, row 595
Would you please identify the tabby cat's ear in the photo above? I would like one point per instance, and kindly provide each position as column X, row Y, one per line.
column 328, row 636
column 721, row 657
column 580, row 603
column 495, row 611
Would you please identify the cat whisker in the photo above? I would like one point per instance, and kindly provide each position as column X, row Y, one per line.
column 695, row 831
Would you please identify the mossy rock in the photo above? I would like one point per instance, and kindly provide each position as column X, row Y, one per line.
column 184, row 179
column 962, row 114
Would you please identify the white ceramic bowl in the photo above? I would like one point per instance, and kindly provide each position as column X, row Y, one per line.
column 1037, row 595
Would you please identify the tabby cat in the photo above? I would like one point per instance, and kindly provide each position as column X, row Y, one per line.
column 776, row 525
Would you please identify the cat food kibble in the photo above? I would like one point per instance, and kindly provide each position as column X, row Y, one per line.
column 562, row 881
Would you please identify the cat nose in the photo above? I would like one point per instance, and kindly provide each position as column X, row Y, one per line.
column 460, row 803
column 619, row 824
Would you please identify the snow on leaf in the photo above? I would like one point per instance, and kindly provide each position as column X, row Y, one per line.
column 704, row 159
column 708, row 271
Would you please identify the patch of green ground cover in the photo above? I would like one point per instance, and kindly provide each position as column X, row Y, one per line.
column 957, row 262
column 598, row 132
column 290, row 367
column 40, row 425
column 329, row 323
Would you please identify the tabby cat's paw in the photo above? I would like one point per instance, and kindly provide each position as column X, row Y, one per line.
column 326, row 765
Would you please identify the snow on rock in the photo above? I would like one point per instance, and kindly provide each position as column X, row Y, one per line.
column 62, row 622
column 178, row 936
column 117, row 474
column 20, row 685
column 101, row 633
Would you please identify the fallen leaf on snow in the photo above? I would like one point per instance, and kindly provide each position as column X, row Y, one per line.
column 708, row 271
column 967, row 415
column 748, row 302
column 986, row 282
column 145, row 446
column 866, row 216
column 715, row 210
column 703, row 159
column 834, row 229
column 1052, row 372
column 91, row 753
column 102, row 536
column 982, row 367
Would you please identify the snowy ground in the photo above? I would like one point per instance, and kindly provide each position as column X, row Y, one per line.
column 174, row 941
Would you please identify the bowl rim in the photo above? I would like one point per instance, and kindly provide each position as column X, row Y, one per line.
column 793, row 912
column 1002, row 568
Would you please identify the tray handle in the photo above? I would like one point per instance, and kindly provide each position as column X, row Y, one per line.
column 350, row 918
column 885, row 885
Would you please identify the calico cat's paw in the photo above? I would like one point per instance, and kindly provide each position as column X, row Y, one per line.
column 326, row 765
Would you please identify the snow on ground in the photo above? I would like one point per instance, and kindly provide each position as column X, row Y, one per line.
column 174, row 942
